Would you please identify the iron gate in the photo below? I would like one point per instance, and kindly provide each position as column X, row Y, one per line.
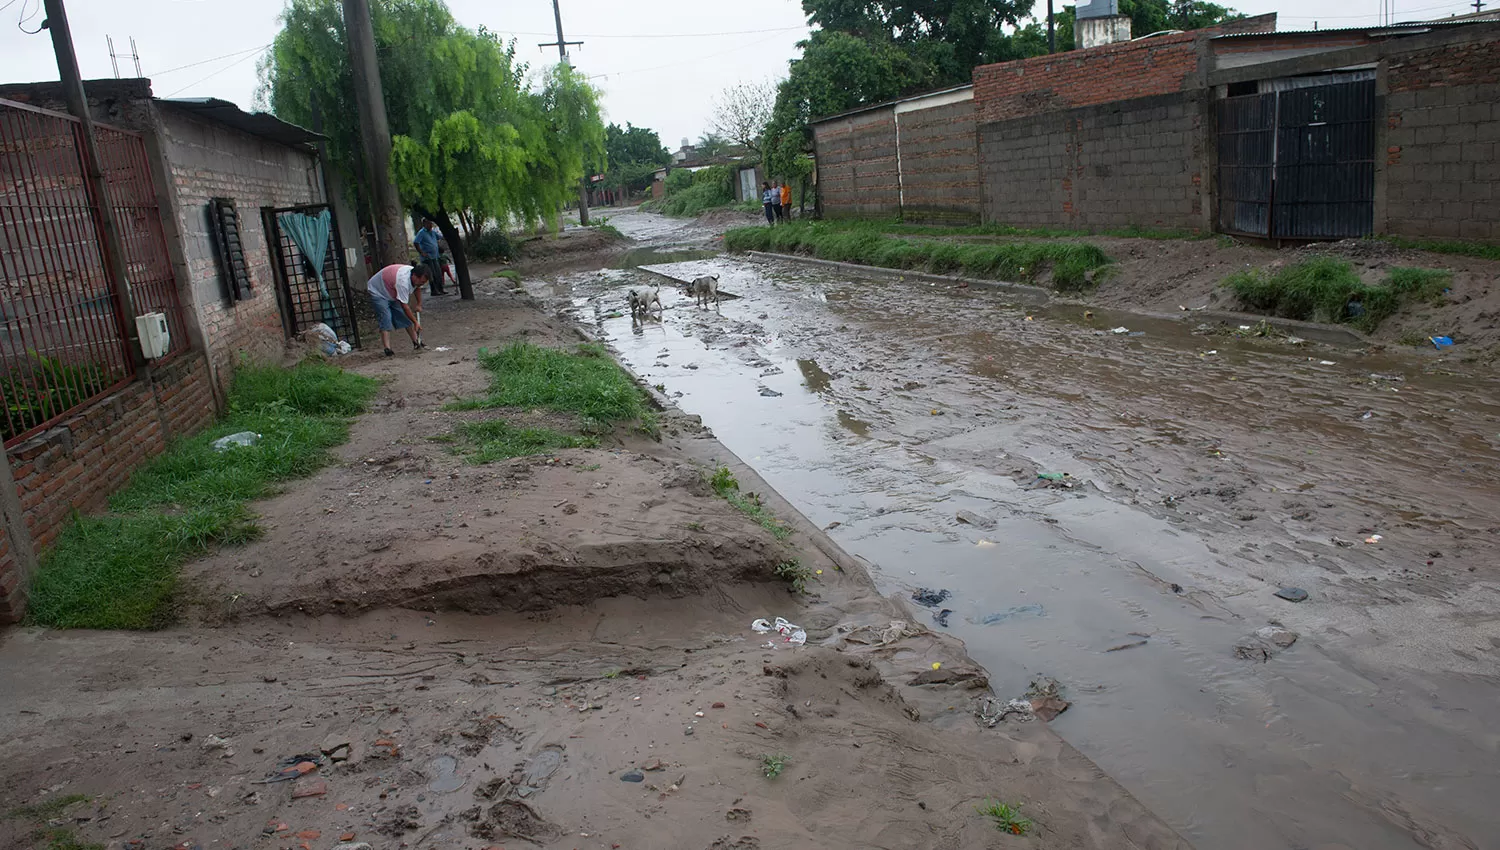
column 305, row 300
column 1298, row 163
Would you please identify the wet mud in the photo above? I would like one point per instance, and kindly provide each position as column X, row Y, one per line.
column 1204, row 472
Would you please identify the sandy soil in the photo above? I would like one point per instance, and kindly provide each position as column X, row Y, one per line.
column 478, row 656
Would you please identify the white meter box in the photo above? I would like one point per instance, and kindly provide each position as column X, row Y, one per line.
column 156, row 337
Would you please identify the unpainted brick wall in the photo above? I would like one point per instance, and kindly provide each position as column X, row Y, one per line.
column 78, row 463
column 1442, row 175
column 857, row 165
column 939, row 164
column 1134, row 163
column 1115, row 72
column 209, row 160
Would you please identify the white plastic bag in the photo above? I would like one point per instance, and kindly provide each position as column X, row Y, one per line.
column 791, row 634
column 243, row 438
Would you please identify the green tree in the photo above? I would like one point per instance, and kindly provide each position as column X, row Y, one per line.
column 634, row 144
column 711, row 144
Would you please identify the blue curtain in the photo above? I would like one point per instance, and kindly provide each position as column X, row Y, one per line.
column 310, row 232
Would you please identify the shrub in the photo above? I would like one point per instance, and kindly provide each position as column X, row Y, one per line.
column 491, row 246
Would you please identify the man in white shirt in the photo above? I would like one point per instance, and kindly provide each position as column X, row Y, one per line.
column 391, row 292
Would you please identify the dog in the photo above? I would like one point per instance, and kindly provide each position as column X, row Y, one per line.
column 642, row 298
column 704, row 288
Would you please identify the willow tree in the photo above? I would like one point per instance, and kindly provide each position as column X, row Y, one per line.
column 470, row 139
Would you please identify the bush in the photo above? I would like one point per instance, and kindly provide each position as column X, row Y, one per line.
column 1069, row 262
column 678, row 179
column 695, row 199
column 1324, row 289
column 491, row 246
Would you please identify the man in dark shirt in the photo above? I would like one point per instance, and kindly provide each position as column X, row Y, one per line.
column 427, row 246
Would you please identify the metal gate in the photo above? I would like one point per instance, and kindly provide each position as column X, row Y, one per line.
column 1298, row 163
column 303, row 302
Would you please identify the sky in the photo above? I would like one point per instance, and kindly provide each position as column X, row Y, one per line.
column 659, row 63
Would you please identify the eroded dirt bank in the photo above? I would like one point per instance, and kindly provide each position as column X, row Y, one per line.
column 549, row 652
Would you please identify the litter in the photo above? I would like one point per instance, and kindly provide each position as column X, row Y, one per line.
column 792, row 634
column 1000, row 616
column 879, row 635
column 1440, row 342
column 293, row 767
column 928, row 597
column 1209, row 353
column 1374, row 538
column 443, row 348
column 971, row 518
column 1120, row 330
column 941, row 617
column 243, row 438
column 1045, row 698
column 1326, row 363
column 1053, row 476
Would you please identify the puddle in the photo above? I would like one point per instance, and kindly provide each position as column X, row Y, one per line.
column 637, row 257
column 445, row 775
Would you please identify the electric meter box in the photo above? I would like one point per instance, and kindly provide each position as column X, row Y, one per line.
column 156, row 337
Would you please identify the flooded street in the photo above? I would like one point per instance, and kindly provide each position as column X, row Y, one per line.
column 1204, row 472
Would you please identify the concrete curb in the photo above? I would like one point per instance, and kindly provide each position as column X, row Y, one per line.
column 1039, row 294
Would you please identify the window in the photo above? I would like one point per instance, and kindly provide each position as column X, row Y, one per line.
column 224, row 221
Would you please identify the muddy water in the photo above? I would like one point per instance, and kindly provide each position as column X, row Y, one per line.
column 1207, row 472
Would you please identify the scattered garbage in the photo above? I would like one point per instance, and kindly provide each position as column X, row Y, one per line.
column 1045, row 696
column 791, row 634
column 445, row 775
column 1374, row 538
column 872, row 635
column 242, row 438
column 443, row 348
column 1368, row 414
column 1264, row 642
column 632, row 776
column 1120, row 330
column 1326, row 363
column 928, row 597
column 1440, row 342
column 991, row 711
column 1131, row 645
column 976, row 520
column 1292, row 594
column 941, row 617
column 1018, row 611
column 984, row 544
column 769, row 393
column 293, row 767
column 1053, row 476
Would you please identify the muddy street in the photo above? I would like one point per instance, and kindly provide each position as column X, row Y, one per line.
column 1204, row 472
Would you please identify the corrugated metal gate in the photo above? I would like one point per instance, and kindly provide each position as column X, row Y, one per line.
column 1298, row 163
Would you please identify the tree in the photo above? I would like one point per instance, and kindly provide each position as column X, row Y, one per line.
column 741, row 113
column 711, row 144
column 634, row 144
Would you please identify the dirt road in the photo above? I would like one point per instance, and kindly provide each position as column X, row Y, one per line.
column 549, row 652
column 1206, row 472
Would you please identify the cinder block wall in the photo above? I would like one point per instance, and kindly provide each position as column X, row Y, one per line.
column 857, row 165
column 939, row 164
column 1442, row 172
column 1140, row 163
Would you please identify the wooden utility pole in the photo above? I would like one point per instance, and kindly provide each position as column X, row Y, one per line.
column 1051, row 30
column 375, row 130
column 562, row 52
column 104, row 214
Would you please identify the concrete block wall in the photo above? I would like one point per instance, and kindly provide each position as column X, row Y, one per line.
column 78, row 463
column 1442, row 142
column 939, row 165
column 857, row 165
column 1134, row 163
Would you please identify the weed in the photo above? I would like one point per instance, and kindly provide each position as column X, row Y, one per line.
column 1069, row 262
column 611, row 230
column 1328, row 290
column 47, row 809
column 661, row 388
column 1412, row 338
column 695, row 526
column 1448, row 246
column 727, row 486
column 773, row 765
column 593, row 467
column 491, row 246
column 612, row 674
column 1007, row 817
column 584, row 382
column 724, row 482
column 509, row 274
column 119, row 569
column 496, row 439
column 795, row 574
column 47, row 388
column 688, row 202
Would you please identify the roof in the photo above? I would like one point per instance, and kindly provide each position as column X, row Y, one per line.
column 262, row 124
column 1402, row 28
column 846, row 113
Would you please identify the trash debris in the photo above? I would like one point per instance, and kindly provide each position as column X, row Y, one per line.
column 446, row 777
column 1264, row 642
column 1131, row 645
column 985, row 544
column 1045, row 695
column 1053, row 476
column 769, row 393
column 941, row 617
column 976, row 520
column 443, row 348
column 929, row 598
column 1019, row 610
column 1120, row 330
column 879, row 635
column 632, row 776
column 1327, row 363
column 1342, row 543
column 791, row 634
column 1440, row 342
column 1368, row 414
column 242, row 438
column 214, row 742
column 1292, row 594
column 1374, row 538
column 1210, row 353
column 991, row 711
column 293, row 767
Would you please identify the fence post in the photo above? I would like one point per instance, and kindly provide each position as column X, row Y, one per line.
column 98, row 189
column 22, row 550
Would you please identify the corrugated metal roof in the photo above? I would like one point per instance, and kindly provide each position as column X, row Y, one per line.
column 1408, row 28
column 846, row 113
column 261, row 124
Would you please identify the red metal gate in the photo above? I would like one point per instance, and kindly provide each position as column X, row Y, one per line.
column 62, row 328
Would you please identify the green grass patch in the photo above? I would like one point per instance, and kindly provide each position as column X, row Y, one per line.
column 1448, row 246
column 47, row 809
column 724, row 483
column 695, row 199
column 1006, row 230
column 509, row 274
column 1324, row 289
column 585, row 382
column 1070, row 263
column 65, row 839
column 1007, row 816
column 496, row 439
column 118, row 570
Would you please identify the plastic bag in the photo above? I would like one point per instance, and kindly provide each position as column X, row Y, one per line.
column 790, row 633
column 243, row 438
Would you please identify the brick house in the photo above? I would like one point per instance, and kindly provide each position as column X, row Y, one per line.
column 207, row 181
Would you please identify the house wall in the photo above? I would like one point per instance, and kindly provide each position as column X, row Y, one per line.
column 939, row 166
column 857, row 165
column 1442, row 137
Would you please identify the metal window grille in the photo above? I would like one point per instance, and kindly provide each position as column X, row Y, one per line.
column 224, row 219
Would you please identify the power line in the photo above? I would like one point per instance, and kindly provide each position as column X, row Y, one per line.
column 1445, row 6
column 207, row 61
column 657, row 34
column 211, row 76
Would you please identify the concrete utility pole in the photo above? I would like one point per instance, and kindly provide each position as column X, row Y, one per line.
column 104, row 214
column 562, row 52
column 375, row 128
column 1051, row 30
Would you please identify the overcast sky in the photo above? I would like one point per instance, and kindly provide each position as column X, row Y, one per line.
column 659, row 62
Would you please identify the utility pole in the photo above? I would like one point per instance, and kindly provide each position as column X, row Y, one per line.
column 104, row 214
column 375, row 130
column 562, row 52
column 1051, row 30
column 1478, row 7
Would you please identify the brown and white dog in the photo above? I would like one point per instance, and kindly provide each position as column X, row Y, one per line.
column 703, row 288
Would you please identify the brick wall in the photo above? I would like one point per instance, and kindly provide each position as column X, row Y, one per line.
column 1115, row 72
column 77, row 464
column 939, row 164
column 1442, row 137
column 208, row 160
column 857, row 165
column 1139, row 162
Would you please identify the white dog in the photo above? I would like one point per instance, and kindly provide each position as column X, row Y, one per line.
column 704, row 288
column 642, row 298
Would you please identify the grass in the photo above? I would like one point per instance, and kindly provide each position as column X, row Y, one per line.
column 1324, row 289
column 47, row 809
column 585, row 382
column 496, row 439
column 1448, row 246
column 773, row 765
column 118, row 570
column 727, row 486
column 1070, row 263
column 795, row 574
column 1007, row 816
column 509, row 274
column 695, row 199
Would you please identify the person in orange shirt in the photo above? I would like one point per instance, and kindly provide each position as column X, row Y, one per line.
column 786, row 200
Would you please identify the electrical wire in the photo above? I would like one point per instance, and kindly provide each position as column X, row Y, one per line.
column 211, row 76
column 207, row 61
column 656, row 34
column 1445, row 6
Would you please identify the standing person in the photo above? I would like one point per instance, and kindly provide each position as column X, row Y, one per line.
column 786, row 201
column 393, row 290
column 776, row 200
column 765, row 198
column 445, row 259
column 427, row 246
